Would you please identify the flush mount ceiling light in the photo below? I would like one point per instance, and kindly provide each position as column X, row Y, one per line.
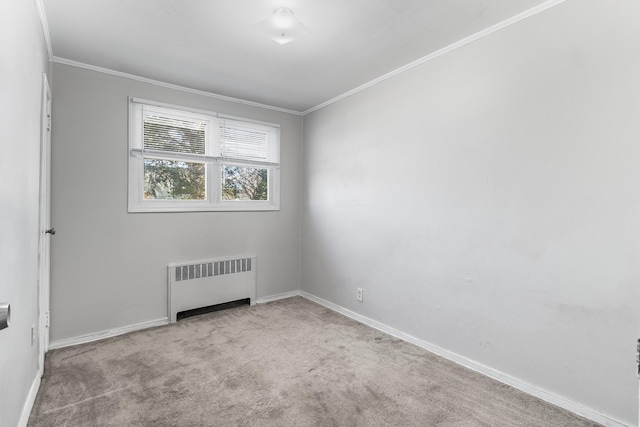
column 282, row 27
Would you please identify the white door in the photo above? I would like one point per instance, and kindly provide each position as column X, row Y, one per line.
column 45, row 227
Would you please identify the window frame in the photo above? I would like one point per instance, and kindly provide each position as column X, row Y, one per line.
column 214, row 163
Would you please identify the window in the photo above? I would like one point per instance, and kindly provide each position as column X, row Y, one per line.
column 183, row 160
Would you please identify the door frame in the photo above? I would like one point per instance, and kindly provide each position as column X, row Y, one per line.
column 44, row 225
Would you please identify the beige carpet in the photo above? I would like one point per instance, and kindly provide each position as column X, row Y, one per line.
column 286, row 363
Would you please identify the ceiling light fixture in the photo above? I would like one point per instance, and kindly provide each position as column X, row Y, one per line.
column 283, row 27
column 283, row 18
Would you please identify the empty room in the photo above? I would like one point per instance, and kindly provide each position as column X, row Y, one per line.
column 320, row 213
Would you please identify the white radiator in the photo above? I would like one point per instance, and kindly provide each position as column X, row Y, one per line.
column 197, row 284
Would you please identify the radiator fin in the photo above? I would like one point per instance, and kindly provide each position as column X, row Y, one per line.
column 209, row 269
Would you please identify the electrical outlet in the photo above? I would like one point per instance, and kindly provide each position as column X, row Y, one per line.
column 359, row 294
column 33, row 334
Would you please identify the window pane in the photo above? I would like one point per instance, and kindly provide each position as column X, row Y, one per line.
column 244, row 183
column 169, row 179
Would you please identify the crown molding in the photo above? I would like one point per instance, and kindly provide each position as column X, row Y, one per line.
column 470, row 39
column 467, row 40
column 77, row 64
column 45, row 27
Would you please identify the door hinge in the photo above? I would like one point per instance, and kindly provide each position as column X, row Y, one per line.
column 49, row 122
column 46, row 320
column 638, row 359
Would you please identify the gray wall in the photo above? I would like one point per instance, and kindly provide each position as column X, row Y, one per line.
column 109, row 266
column 488, row 202
column 23, row 60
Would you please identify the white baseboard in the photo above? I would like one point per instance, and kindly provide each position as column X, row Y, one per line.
column 67, row 342
column 278, row 296
column 28, row 404
column 547, row 396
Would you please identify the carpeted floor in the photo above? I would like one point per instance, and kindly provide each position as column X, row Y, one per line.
column 286, row 363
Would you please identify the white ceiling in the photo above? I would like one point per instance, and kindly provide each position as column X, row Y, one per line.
column 215, row 45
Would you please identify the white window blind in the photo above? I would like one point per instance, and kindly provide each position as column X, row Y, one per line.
column 248, row 142
column 156, row 128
